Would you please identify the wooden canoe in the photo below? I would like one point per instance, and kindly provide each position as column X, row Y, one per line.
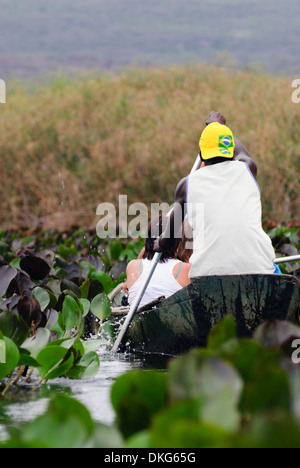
column 184, row 320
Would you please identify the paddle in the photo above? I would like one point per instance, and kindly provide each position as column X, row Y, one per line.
column 145, row 283
column 294, row 258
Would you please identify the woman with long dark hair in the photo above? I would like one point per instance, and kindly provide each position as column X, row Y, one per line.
column 171, row 274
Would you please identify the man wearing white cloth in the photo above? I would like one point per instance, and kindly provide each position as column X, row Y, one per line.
column 223, row 202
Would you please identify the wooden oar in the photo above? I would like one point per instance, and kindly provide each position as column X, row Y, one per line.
column 293, row 258
column 144, row 285
column 115, row 292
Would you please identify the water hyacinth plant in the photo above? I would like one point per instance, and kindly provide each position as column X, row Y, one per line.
column 236, row 393
column 54, row 289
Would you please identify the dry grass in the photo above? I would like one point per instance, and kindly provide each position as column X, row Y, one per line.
column 68, row 147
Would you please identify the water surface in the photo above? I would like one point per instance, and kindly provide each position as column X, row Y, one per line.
column 28, row 401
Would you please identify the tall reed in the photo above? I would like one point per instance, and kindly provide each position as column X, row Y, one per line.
column 68, row 146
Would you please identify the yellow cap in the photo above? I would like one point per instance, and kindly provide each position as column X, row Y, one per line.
column 217, row 141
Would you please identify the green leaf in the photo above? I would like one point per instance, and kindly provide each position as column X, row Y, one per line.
column 107, row 437
column 66, row 424
column 211, row 381
column 36, row 343
column 59, row 328
column 115, row 249
column 71, row 313
column 136, row 397
column 14, row 327
column 179, row 426
column 54, row 286
column 121, row 279
column 26, row 360
column 65, row 251
column 52, row 318
column 16, row 263
column 50, row 359
column 94, row 345
column 79, row 348
column 84, row 289
column 222, row 388
column 132, row 250
column 12, row 357
column 276, row 334
column 4, row 247
column 7, row 274
column 67, row 285
column 42, row 297
column 221, row 333
column 104, row 279
column 101, row 307
column 266, row 383
column 86, row 306
column 264, row 431
column 109, row 330
column 84, row 264
column 95, row 288
column 61, row 370
column 86, row 368
column 64, row 343
column 2, row 349
column 139, row 440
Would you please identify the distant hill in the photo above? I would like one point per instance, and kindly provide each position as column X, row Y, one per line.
column 39, row 36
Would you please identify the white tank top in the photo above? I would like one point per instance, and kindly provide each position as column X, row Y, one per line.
column 224, row 210
column 162, row 282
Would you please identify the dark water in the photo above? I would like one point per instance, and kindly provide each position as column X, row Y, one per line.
column 28, row 401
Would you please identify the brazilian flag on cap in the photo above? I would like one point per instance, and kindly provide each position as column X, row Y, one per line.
column 225, row 144
column 217, row 140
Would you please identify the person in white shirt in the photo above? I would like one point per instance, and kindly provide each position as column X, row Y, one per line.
column 223, row 202
column 170, row 276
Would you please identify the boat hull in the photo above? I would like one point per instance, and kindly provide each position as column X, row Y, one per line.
column 184, row 320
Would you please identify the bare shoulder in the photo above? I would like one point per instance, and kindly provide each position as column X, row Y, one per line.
column 132, row 273
column 186, row 268
column 183, row 275
column 133, row 265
